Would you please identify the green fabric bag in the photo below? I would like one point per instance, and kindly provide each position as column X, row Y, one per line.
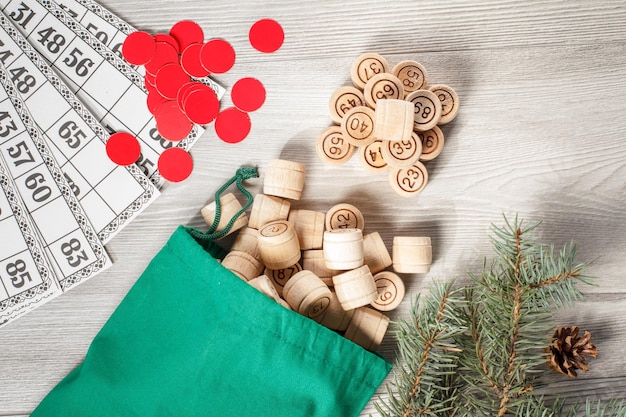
column 192, row 339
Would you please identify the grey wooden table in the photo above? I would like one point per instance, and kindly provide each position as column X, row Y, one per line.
column 540, row 132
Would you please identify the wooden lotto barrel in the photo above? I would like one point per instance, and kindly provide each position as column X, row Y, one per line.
column 432, row 143
column 284, row 179
column 229, row 207
column 343, row 100
column 366, row 66
column 344, row 216
column 381, row 87
column 265, row 285
column 278, row 245
column 402, row 153
column 307, row 294
column 375, row 253
column 279, row 277
column 247, row 241
column 242, row 264
column 427, row 109
column 335, row 317
column 343, row 249
column 412, row 74
column 412, row 254
column 390, row 289
column 267, row 208
column 394, row 119
column 355, row 288
column 331, row 147
column 309, row 226
column 313, row 260
column 367, row 328
column 449, row 102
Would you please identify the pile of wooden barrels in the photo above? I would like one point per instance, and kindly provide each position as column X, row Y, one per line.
column 390, row 117
column 318, row 264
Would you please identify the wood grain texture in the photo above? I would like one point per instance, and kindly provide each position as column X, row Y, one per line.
column 540, row 132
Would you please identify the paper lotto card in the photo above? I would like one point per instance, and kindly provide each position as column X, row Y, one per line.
column 26, row 277
column 109, row 87
column 112, row 30
column 111, row 195
column 71, row 243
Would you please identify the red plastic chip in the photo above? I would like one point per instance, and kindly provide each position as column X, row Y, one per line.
column 266, row 35
column 171, row 122
column 164, row 54
column 248, row 94
column 183, row 92
column 186, row 32
column 138, row 48
column 201, row 105
column 217, row 56
column 232, row 125
column 169, row 79
column 150, row 88
column 175, row 164
column 190, row 61
column 164, row 37
column 123, row 148
column 154, row 101
column 148, row 80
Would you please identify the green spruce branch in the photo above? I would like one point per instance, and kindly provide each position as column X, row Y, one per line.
column 428, row 357
column 478, row 350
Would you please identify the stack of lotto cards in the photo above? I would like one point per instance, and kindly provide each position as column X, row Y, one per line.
column 64, row 88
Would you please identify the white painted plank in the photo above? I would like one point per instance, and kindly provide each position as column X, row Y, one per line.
column 540, row 133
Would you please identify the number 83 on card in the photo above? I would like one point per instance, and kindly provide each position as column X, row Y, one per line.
column 72, row 253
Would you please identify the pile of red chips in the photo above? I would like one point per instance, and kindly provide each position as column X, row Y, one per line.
column 177, row 99
column 170, row 61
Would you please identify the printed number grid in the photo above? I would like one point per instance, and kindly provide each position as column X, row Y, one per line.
column 103, row 24
column 111, row 195
column 106, row 84
column 110, row 35
column 75, row 251
column 26, row 278
column 108, row 23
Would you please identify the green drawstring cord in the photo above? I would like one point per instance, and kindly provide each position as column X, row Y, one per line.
column 241, row 175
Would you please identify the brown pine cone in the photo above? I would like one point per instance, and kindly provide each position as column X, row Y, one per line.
column 568, row 351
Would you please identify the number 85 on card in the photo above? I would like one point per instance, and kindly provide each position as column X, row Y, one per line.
column 18, row 274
